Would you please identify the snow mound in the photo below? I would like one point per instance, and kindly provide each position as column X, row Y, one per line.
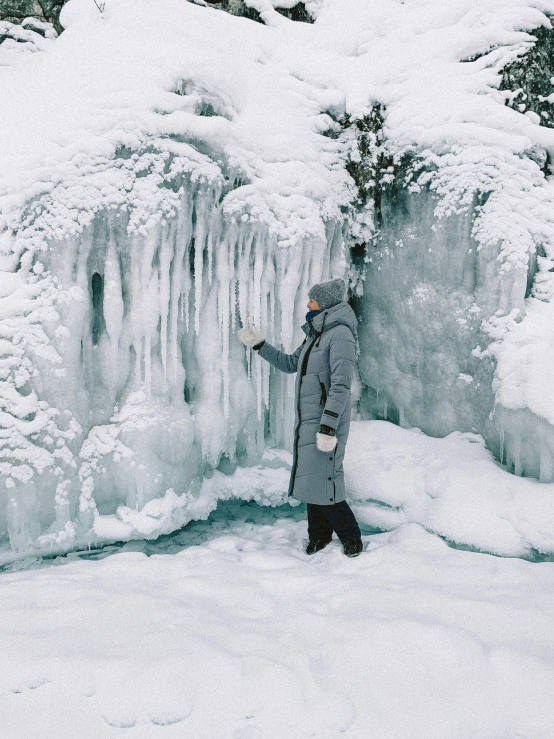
column 451, row 486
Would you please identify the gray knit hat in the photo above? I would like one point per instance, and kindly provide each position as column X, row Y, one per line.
column 328, row 294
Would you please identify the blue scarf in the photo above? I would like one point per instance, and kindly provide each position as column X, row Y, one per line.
column 312, row 314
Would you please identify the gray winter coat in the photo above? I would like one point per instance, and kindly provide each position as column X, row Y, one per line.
column 324, row 365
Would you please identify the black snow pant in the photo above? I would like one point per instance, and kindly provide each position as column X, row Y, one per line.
column 324, row 519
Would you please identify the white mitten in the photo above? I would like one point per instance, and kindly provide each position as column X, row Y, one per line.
column 325, row 443
column 250, row 336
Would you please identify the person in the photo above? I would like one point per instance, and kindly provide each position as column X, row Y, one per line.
column 324, row 364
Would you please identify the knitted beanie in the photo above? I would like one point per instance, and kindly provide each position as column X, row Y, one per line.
column 328, row 294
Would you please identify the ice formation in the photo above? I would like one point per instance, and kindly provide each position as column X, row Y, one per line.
column 157, row 190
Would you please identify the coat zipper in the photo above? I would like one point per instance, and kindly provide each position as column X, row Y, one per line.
column 334, row 485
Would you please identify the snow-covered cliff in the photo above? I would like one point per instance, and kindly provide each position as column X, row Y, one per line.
column 157, row 190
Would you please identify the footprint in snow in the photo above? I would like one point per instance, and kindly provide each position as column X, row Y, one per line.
column 165, row 718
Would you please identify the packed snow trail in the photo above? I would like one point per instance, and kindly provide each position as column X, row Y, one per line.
column 243, row 636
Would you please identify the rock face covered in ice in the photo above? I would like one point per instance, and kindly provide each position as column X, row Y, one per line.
column 458, row 327
column 425, row 296
column 169, row 191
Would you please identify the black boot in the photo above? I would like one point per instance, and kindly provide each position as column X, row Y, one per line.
column 353, row 548
column 316, row 545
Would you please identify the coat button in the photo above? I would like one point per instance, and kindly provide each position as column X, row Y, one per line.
column 329, row 478
column 331, row 499
column 331, row 458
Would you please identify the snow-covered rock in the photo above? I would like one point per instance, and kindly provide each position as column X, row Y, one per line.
column 29, row 35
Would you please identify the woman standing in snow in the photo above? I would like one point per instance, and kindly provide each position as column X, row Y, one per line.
column 324, row 364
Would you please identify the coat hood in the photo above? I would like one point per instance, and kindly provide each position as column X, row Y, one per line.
column 339, row 314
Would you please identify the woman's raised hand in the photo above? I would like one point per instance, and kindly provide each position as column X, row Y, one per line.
column 251, row 336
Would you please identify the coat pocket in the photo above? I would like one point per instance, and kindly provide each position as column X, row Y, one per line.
column 324, row 385
column 323, row 398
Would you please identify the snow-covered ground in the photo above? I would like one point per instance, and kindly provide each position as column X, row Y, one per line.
column 228, row 631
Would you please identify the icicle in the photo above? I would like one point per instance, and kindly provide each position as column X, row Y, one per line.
column 257, row 283
column 290, row 268
column 244, row 275
column 199, row 243
column 336, row 249
column 149, row 302
column 113, row 309
column 214, row 235
column 401, row 417
column 546, row 462
column 209, row 246
column 271, row 327
column 233, row 305
column 139, row 482
column 185, row 313
column 148, row 365
column 266, row 317
column 317, row 263
column 256, row 312
column 166, row 255
column 134, row 309
column 258, row 390
column 516, row 455
column 223, row 302
column 177, row 300
column 16, row 524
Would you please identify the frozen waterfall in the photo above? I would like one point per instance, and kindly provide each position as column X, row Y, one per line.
column 157, row 191
column 145, row 334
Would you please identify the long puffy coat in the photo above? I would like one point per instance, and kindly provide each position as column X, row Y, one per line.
column 324, row 364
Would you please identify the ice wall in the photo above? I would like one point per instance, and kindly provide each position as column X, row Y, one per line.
column 450, row 341
column 148, row 370
column 427, row 289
